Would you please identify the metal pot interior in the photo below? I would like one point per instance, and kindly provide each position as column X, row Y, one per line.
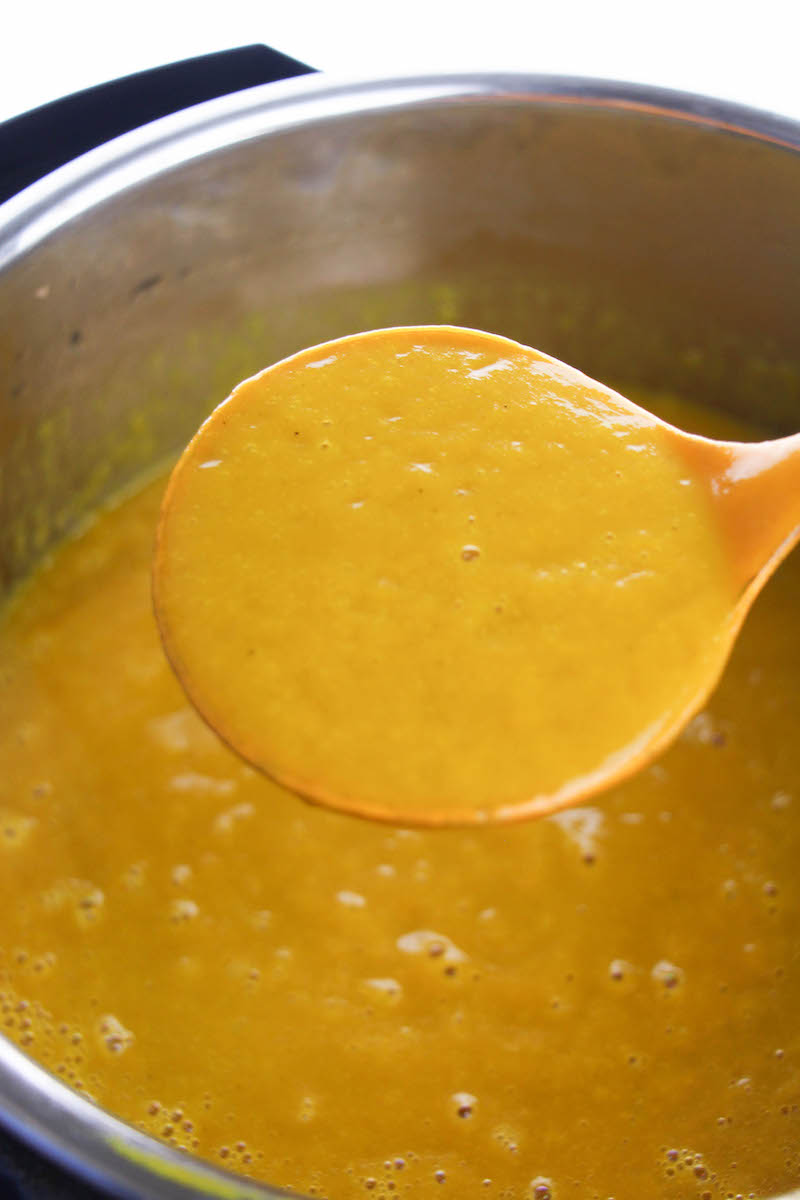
column 642, row 246
column 646, row 239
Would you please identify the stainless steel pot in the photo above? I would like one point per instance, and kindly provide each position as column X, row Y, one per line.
column 648, row 237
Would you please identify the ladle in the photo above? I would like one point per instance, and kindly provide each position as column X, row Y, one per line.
column 431, row 576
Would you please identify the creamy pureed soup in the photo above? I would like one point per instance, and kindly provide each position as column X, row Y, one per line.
column 601, row 1004
column 431, row 575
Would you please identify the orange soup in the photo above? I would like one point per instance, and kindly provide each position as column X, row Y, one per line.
column 600, row 1004
column 430, row 573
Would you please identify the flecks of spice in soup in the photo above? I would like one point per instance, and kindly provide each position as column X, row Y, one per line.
column 601, row 1004
column 434, row 574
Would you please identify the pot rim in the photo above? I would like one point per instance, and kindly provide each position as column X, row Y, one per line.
column 161, row 145
column 35, row 1106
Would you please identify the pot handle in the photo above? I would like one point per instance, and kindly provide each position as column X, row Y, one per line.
column 36, row 142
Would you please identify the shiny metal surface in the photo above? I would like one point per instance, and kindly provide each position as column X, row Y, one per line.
column 648, row 237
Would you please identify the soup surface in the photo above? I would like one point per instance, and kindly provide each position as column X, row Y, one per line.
column 429, row 573
column 601, row 1004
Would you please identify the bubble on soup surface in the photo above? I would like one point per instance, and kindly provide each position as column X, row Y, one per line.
column 667, row 973
column 181, row 874
column 426, row 942
column 584, row 827
column 702, row 730
column 541, row 1189
column 464, row 1104
column 385, row 990
column 507, row 1137
column 80, row 895
column 112, row 1034
column 183, row 909
column 227, row 821
column 15, row 829
column 180, row 731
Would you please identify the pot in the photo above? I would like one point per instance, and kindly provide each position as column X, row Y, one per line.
column 138, row 284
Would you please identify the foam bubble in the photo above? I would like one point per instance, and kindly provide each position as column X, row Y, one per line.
column 541, row 1188
column 464, row 1104
column 385, row 989
column 226, row 821
column 426, row 942
column 667, row 974
column 183, row 909
column 15, row 829
column 195, row 783
column 81, row 896
column 112, row 1034
column 507, row 1137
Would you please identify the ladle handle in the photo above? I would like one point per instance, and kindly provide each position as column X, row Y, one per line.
column 756, row 487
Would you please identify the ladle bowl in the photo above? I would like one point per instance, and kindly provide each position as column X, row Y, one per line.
column 431, row 576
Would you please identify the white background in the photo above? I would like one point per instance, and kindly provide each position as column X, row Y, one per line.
column 746, row 52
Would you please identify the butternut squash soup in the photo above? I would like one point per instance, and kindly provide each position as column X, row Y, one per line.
column 431, row 575
column 605, row 1003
